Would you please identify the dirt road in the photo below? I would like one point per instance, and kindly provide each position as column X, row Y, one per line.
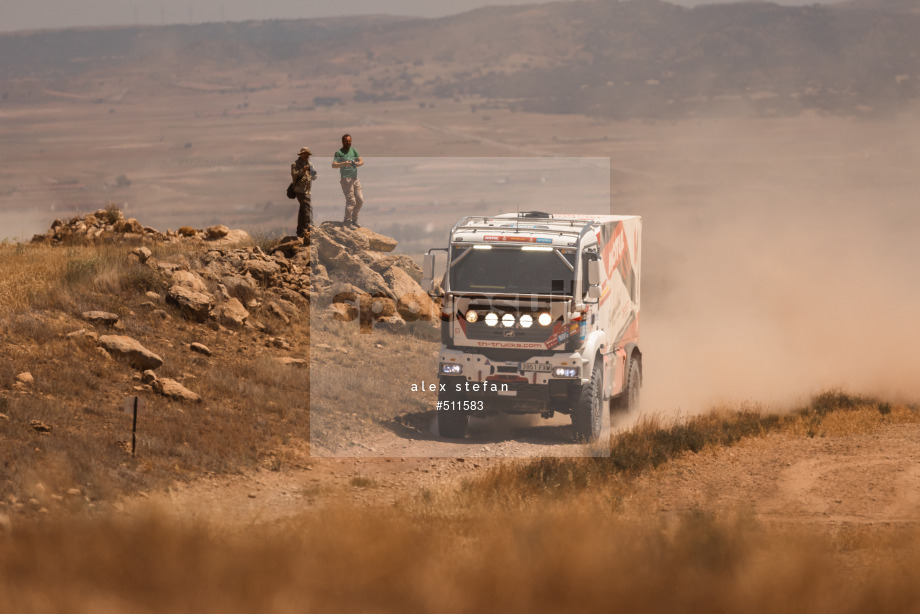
column 868, row 478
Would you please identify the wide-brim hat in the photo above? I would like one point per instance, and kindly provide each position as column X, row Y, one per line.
column 304, row 150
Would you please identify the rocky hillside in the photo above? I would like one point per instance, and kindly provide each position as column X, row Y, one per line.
column 211, row 328
column 350, row 273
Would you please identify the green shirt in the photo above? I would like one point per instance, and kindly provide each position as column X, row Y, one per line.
column 348, row 172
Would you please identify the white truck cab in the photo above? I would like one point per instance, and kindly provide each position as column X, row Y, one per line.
column 539, row 314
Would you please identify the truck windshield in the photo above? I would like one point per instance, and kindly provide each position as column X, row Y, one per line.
column 512, row 270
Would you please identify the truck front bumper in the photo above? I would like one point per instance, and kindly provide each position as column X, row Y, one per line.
column 515, row 397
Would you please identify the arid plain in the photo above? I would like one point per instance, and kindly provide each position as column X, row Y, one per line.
column 778, row 253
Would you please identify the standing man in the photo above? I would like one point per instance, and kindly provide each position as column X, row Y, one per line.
column 303, row 174
column 347, row 161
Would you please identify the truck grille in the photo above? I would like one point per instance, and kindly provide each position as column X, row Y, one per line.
column 509, row 354
column 481, row 331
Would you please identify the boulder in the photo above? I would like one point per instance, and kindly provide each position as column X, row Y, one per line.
column 343, row 236
column 281, row 343
column 376, row 307
column 166, row 267
column 190, row 280
column 359, row 274
column 200, row 348
column 289, row 308
column 376, row 241
column 216, row 232
column 263, row 270
column 142, row 253
column 327, row 249
column 196, row 305
column 130, row 225
column 25, row 379
column 412, row 302
column 232, row 239
column 172, row 389
column 243, row 288
column 289, row 246
column 100, row 317
column 41, row 427
column 130, row 350
column 278, row 312
column 343, row 312
column 401, row 261
column 288, row 295
column 231, row 314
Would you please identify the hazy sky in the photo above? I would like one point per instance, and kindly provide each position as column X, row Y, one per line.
column 32, row 14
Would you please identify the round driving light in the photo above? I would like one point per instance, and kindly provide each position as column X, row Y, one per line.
column 526, row 321
column 472, row 316
column 544, row 319
column 508, row 320
column 491, row 319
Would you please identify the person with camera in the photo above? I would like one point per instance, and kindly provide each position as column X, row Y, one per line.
column 303, row 174
column 347, row 160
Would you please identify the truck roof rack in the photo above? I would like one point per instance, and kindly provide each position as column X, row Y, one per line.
column 562, row 226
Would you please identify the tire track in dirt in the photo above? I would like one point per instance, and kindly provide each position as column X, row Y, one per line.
column 863, row 478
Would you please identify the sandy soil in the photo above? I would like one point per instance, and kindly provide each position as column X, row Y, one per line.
column 868, row 479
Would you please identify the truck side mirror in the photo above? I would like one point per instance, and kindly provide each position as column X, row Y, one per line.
column 594, row 272
column 428, row 273
column 594, row 280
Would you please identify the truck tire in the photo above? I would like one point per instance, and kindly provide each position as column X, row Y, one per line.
column 628, row 400
column 452, row 423
column 633, row 387
column 588, row 414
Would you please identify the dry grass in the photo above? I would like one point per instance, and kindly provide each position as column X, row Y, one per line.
column 253, row 409
column 71, row 279
column 571, row 557
column 654, row 441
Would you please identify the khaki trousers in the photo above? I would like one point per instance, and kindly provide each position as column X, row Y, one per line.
column 351, row 187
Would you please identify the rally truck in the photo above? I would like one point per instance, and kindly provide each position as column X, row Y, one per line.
column 539, row 315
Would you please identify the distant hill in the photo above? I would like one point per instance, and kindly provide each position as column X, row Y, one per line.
column 899, row 6
column 81, row 50
column 642, row 58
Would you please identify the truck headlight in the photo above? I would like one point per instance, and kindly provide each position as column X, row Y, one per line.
column 565, row 372
column 491, row 319
column 508, row 320
column 526, row 321
column 448, row 368
column 472, row 316
column 544, row 319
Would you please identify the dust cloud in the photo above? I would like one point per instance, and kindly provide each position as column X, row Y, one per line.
column 780, row 259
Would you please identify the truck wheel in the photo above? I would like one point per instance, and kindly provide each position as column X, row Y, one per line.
column 452, row 423
column 588, row 415
column 633, row 386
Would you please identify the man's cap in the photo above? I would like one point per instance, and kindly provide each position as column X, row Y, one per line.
column 305, row 150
